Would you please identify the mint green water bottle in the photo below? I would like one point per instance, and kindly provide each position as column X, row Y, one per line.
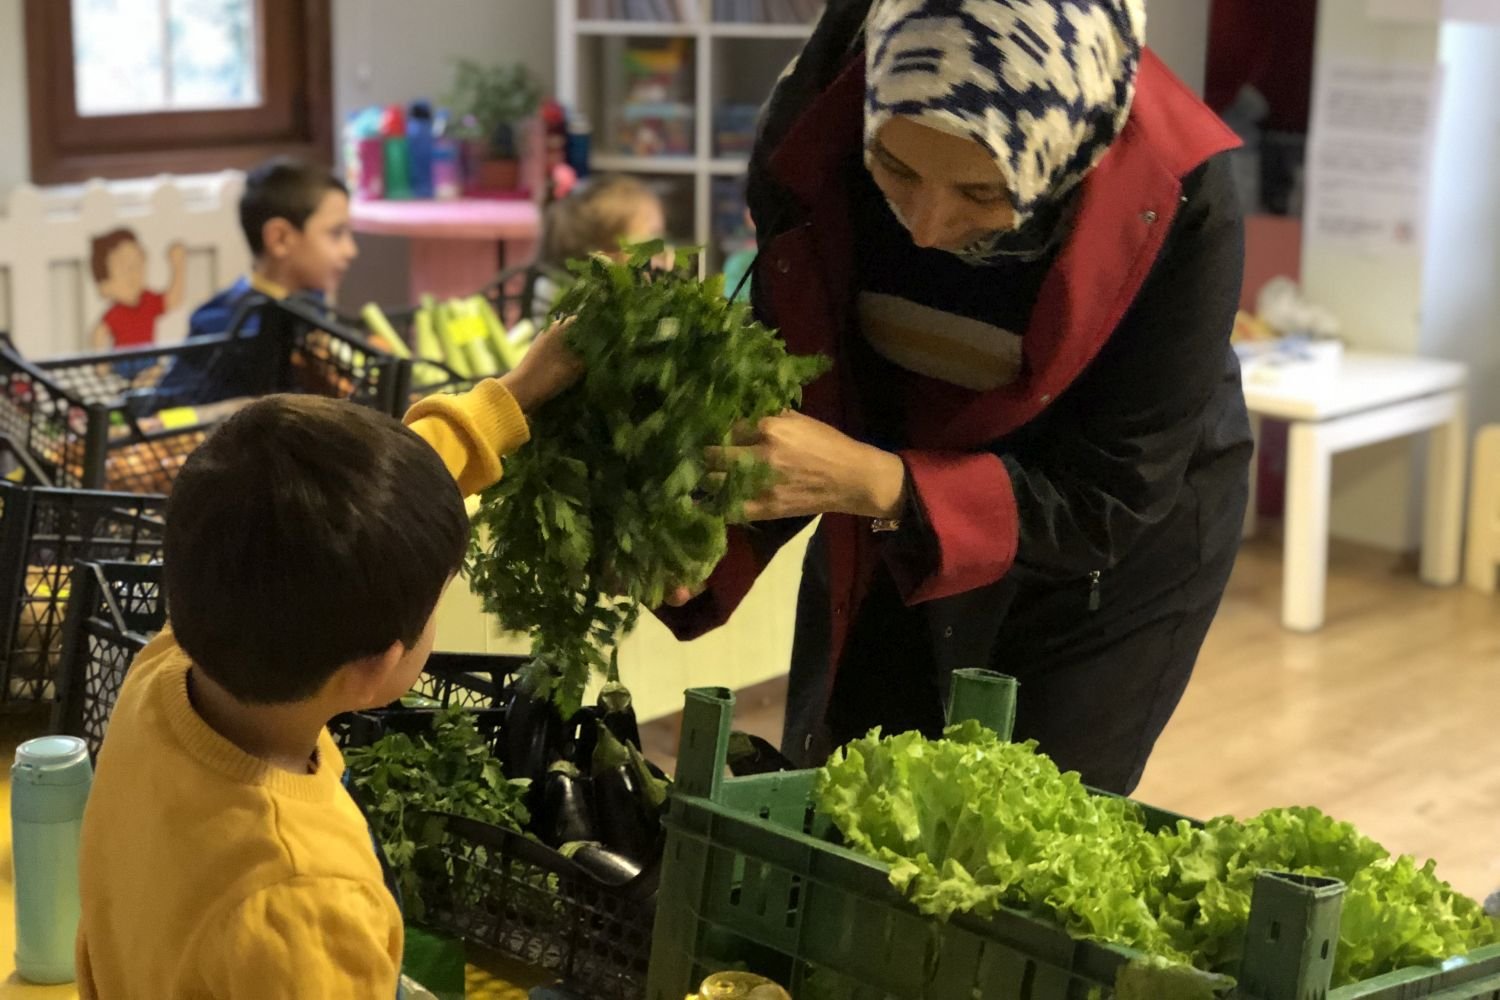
column 49, row 785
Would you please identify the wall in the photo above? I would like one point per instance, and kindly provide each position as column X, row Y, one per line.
column 1178, row 31
column 394, row 50
column 15, row 147
column 1378, row 298
column 1461, row 297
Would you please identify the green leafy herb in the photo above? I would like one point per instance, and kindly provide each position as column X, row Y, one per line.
column 970, row 823
column 402, row 782
column 609, row 507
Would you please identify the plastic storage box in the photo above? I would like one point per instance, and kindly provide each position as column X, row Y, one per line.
column 43, row 532
column 753, row 877
column 128, row 420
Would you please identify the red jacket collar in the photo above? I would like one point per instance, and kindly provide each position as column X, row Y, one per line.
column 1127, row 206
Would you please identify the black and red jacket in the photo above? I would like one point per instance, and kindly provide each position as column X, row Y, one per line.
column 1126, row 423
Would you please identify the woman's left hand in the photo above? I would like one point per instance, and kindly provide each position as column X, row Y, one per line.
column 818, row 470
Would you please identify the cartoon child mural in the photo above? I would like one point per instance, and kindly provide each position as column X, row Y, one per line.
column 119, row 264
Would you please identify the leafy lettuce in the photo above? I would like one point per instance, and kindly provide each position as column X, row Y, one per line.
column 971, row 823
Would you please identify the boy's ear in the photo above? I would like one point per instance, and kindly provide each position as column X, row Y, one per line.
column 367, row 682
column 277, row 236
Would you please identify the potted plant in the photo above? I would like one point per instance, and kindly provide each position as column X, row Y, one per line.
column 489, row 103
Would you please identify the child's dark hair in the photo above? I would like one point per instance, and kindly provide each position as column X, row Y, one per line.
column 105, row 245
column 282, row 188
column 592, row 217
column 305, row 534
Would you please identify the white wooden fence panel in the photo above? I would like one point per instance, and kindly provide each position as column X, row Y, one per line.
column 48, row 302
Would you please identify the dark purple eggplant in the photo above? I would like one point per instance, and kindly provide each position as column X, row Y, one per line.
column 534, row 734
column 616, row 708
column 750, row 754
column 625, row 817
column 566, row 813
column 582, row 738
column 609, row 867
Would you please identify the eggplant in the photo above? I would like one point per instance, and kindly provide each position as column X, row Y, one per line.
column 534, row 734
column 582, row 738
column 565, row 814
column 750, row 754
column 616, row 708
column 609, row 867
column 627, row 820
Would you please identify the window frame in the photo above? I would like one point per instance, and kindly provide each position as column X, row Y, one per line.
column 295, row 116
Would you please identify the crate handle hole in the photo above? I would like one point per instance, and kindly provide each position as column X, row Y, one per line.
column 1325, row 949
column 1275, row 930
column 1028, row 981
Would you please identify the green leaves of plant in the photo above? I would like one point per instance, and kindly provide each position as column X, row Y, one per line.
column 608, row 508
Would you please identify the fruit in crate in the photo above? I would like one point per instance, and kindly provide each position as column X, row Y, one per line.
column 458, row 340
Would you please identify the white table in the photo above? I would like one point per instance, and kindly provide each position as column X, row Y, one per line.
column 1367, row 399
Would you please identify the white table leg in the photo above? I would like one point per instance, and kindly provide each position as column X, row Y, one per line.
column 1248, row 530
column 1484, row 513
column 1442, row 513
column 1305, row 570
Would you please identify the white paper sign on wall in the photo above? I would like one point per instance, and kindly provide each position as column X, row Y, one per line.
column 1370, row 151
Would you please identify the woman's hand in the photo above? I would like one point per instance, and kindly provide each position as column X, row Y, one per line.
column 547, row 369
column 818, row 470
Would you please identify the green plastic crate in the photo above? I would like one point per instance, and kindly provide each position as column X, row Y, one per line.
column 753, row 879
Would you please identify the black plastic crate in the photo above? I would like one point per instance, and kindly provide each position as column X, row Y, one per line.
column 115, row 608
column 126, row 420
column 43, row 532
column 505, row 891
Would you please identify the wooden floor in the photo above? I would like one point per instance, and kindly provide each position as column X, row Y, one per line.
column 1389, row 717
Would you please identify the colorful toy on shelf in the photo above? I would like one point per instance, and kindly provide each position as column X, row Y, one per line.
column 397, row 162
column 734, row 129
column 656, row 118
column 419, row 141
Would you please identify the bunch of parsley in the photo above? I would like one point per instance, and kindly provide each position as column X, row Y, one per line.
column 610, row 507
column 407, row 783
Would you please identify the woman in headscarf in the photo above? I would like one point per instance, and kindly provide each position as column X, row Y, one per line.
column 1012, row 229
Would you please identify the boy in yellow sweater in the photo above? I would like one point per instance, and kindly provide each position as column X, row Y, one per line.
column 307, row 544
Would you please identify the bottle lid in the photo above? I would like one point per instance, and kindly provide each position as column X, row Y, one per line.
column 55, row 759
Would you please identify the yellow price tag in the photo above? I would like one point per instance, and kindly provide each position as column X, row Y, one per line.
column 467, row 329
column 178, row 417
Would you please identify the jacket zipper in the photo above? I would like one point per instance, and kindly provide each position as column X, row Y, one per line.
column 1094, row 589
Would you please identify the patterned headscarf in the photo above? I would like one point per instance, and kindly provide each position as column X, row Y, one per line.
column 1044, row 85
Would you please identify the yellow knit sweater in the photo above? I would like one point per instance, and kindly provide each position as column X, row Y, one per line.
column 208, row 873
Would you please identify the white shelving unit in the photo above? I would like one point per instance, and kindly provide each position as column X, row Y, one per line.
column 734, row 62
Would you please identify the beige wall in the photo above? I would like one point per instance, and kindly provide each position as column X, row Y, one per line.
column 1178, row 31
column 15, row 145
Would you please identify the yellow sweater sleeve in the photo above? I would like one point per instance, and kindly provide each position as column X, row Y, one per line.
column 471, row 432
column 306, row 939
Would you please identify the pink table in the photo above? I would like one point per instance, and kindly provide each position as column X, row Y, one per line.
column 456, row 246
